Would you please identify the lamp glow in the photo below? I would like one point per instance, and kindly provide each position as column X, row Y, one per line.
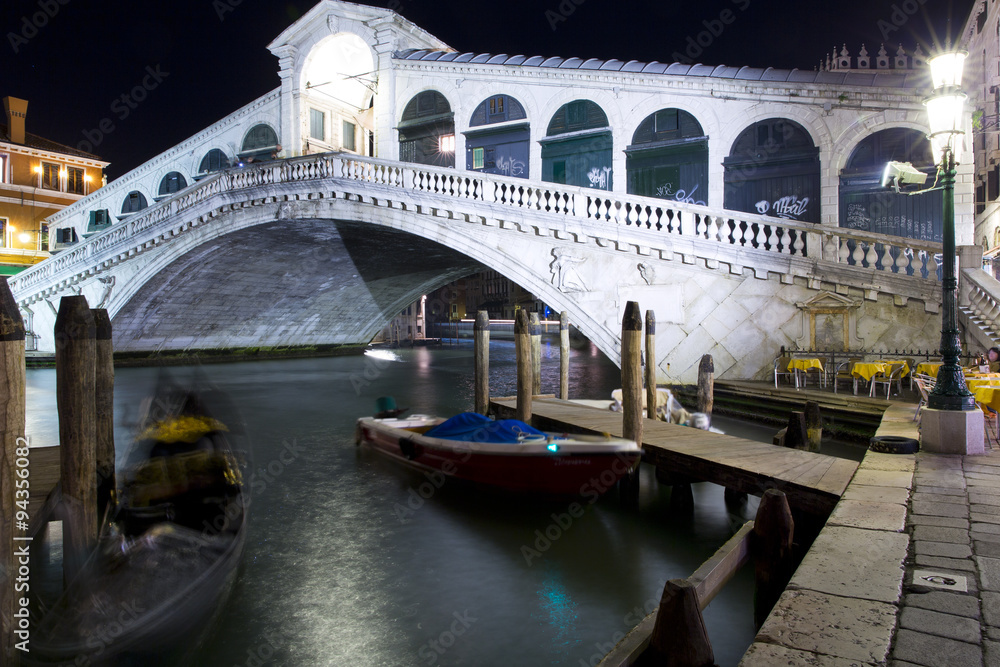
column 38, row 169
column 944, row 115
column 946, row 69
column 24, row 237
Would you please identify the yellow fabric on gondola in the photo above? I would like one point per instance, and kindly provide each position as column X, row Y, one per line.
column 163, row 477
column 185, row 428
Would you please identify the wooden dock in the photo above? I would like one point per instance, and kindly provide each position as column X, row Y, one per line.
column 812, row 482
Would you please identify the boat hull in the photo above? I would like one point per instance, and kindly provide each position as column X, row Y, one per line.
column 580, row 466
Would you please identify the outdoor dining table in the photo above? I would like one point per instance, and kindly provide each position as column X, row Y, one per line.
column 929, row 368
column 801, row 367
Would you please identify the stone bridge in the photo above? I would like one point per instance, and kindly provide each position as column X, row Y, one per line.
column 325, row 249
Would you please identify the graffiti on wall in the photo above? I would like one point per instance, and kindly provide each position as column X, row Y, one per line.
column 509, row 166
column 666, row 191
column 600, row 177
column 789, row 207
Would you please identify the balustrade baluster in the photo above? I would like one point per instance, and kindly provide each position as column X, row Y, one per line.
column 786, row 241
column 591, row 207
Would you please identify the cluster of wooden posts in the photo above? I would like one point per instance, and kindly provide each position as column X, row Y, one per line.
column 675, row 633
column 85, row 400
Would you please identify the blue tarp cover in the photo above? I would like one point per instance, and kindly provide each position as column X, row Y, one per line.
column 473, row 427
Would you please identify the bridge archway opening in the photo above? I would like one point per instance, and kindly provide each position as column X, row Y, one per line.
column 577, row 146
column 668, row 158
column 498, row 140
column 171, row 183
column 338, row 95
column 865, row 205
column 214, row 160
column 284, row 283
column 134, row 202
column 427, row 130
column 773, row 169
column 259, row 143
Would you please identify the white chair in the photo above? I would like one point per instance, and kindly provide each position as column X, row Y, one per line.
column 781, row 370
column 895, row 375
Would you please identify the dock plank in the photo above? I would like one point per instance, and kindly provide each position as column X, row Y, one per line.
column 813, row 482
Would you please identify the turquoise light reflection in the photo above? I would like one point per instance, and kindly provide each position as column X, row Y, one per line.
column 559, row 612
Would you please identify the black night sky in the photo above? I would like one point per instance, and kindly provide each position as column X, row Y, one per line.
column 74, row 59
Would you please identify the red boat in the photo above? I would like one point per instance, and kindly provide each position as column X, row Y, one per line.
column 505, row 454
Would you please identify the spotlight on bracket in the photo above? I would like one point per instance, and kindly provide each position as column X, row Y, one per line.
column 902, row 173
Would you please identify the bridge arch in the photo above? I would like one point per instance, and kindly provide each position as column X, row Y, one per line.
column 668, row 157
column 215, row 159
column 427, row 130
column 498, row 139
column 260, row 142
column 134, row 202
column 773, row 168
column 578, row 146
column 171, row 182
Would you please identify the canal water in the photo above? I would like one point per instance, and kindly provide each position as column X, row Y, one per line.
column 355, row 560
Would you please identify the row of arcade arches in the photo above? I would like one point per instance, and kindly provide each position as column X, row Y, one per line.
column 773, row 166
column 259, row 143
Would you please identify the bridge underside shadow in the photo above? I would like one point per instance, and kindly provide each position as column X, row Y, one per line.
column 288, row 282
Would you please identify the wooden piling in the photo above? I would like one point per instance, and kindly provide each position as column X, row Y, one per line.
column 679, row 637
column 75, row 334
column 481, row 334
column 12, row 405
column 632, row 373
column 814, row 426
column 564, row 355
column 522, row 350
column 536, row 353
column 104, row 411
column 650, row 365
column 631, row 395
column 706, row 384
column 772, row 548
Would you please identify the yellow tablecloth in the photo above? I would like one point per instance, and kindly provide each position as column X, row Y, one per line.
column 868, row 370
column 892, row 363
column 805, row 364
column 929, row 368
column 988, row 395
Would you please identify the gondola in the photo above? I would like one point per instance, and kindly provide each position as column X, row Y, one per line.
column 166, row 561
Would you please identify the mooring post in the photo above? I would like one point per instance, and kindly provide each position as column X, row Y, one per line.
column 564, row 355
column 679, row 637
column 651, row 365
column 814, row 426
column 75, row 336
column 12, row 402
column 706, row 384
column 104, row 411
column 773, row 530
column 631, row 394
column 536, row 354
column 481, row 332
column 522, row 350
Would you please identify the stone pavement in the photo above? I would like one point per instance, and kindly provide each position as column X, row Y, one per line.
column 905, row 572
column 950, row 610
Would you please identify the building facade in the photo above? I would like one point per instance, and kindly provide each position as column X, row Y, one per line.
column 38, row 178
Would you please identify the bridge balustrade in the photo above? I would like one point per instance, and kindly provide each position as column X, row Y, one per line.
column 876, row 253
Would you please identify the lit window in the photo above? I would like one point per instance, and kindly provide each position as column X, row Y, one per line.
column 478, row 155
column 3, row 168
column 4, row 224
column 317, row 124
column 348, row 136
column 446, row 143
column 74, row 181
column 50, row 176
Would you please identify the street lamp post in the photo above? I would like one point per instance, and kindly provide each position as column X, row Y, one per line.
column 945, row 117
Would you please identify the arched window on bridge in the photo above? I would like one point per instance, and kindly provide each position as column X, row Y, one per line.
column 260, row 143
column 668, row 158
column 867, row 206
column 214, row 160
column 498, row 139
column 427, row 131
column 171, row 183
column 576, row 149
column 134, row 202
column 773, row 169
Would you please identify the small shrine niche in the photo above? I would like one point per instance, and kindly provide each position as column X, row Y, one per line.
column 829, row 323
